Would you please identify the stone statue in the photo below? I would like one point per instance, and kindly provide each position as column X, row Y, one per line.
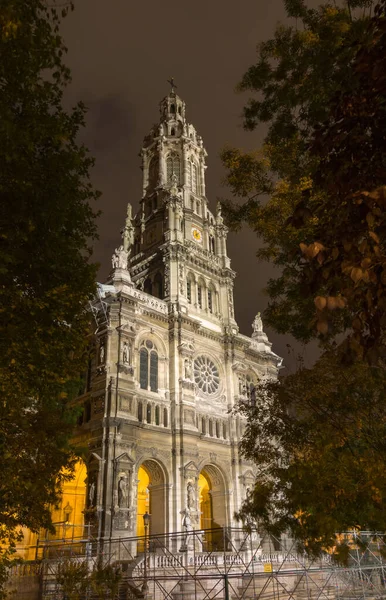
column 101, row 354
column 126, row 353
column 188, row 369
column 128, row 232
column 173, row 186
column 191, row 495
column 122, row 492
column 186, row 521
column 119, row 259
column 91, row 494
column 257, row 324
column 219, row 218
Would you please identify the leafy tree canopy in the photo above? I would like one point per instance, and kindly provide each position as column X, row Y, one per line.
column 46, row 278
column 320, row 454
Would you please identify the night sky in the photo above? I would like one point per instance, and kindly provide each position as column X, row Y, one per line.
column 121, row 54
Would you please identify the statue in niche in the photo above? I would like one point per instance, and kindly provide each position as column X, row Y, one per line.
column 173, row 186
column 101, row 354
column 187, row 528
column 188, row 369
column 119, row 259
column 122, row 492
column 257, row 324
column 191, row 495
column 91, row 494
column 219, row 217
column 128, row 232
column 126, row 353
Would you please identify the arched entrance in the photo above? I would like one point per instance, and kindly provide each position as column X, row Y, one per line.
column 212, row 506
column 151, row 498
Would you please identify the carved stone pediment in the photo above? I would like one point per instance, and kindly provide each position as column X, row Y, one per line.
column 239, row 366
column 124, row 458
column 186, row 349
column 191, row 470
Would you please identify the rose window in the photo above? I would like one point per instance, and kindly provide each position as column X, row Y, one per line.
column 206, row 375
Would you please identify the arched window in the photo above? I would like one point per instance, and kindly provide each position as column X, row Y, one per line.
column 148, row 413
column 153, row 171
column 173, row 108
column 179, row 110
column 173, row 166
column 189, row 291
column 148, row 286
column 210, row 301
column 203, row 425
column 173, row 131
column 139, row 412
column 224, row 431
column 211, row 244
column 199, row 296
column 165, row 417
column 153, row 371
column 217, row 429
column 158, row 286
column 157, row 415
column 148, row 367
column 211, row 428
column 143, row 368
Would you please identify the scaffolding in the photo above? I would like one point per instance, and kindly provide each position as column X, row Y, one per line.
column 223, row 564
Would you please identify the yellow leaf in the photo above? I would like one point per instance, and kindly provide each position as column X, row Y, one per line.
column 341, row 302
column 370, row 219
column 322, row 327
column 356, row 274
column 320, row 302
column 366, row 262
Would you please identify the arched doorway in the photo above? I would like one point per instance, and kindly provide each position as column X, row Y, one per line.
column 212, row 506
column 151, row 498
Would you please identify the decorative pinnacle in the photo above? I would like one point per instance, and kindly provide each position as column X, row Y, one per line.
column 173, row 85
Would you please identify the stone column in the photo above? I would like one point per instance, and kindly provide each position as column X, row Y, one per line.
column 202, row 177
column 145, row 172
column 161, row 164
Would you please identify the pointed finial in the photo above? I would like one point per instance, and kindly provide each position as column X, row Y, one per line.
column 172, row 84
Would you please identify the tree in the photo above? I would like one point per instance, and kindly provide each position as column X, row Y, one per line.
column 320, row 456
column 46, row 277
column 318, row 441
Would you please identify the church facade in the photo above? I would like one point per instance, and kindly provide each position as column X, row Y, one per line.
column 168, row 362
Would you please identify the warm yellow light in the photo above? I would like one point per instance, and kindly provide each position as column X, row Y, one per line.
column 143, row 499
column 205, row 502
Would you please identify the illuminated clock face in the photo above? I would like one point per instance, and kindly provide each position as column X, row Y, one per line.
column 196, row 235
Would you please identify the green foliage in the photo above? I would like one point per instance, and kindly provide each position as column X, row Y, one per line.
column 319, row 445
column 105, row 580
column 73, row 577
column 317, row 438
column 46, row 279
column 76, row 580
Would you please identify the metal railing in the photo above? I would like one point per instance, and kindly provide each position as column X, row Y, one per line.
column 223, row 564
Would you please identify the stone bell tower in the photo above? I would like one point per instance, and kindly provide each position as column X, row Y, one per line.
column 174, row 220
column 169, row 362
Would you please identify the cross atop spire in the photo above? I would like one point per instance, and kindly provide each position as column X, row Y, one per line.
column 173, row 85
